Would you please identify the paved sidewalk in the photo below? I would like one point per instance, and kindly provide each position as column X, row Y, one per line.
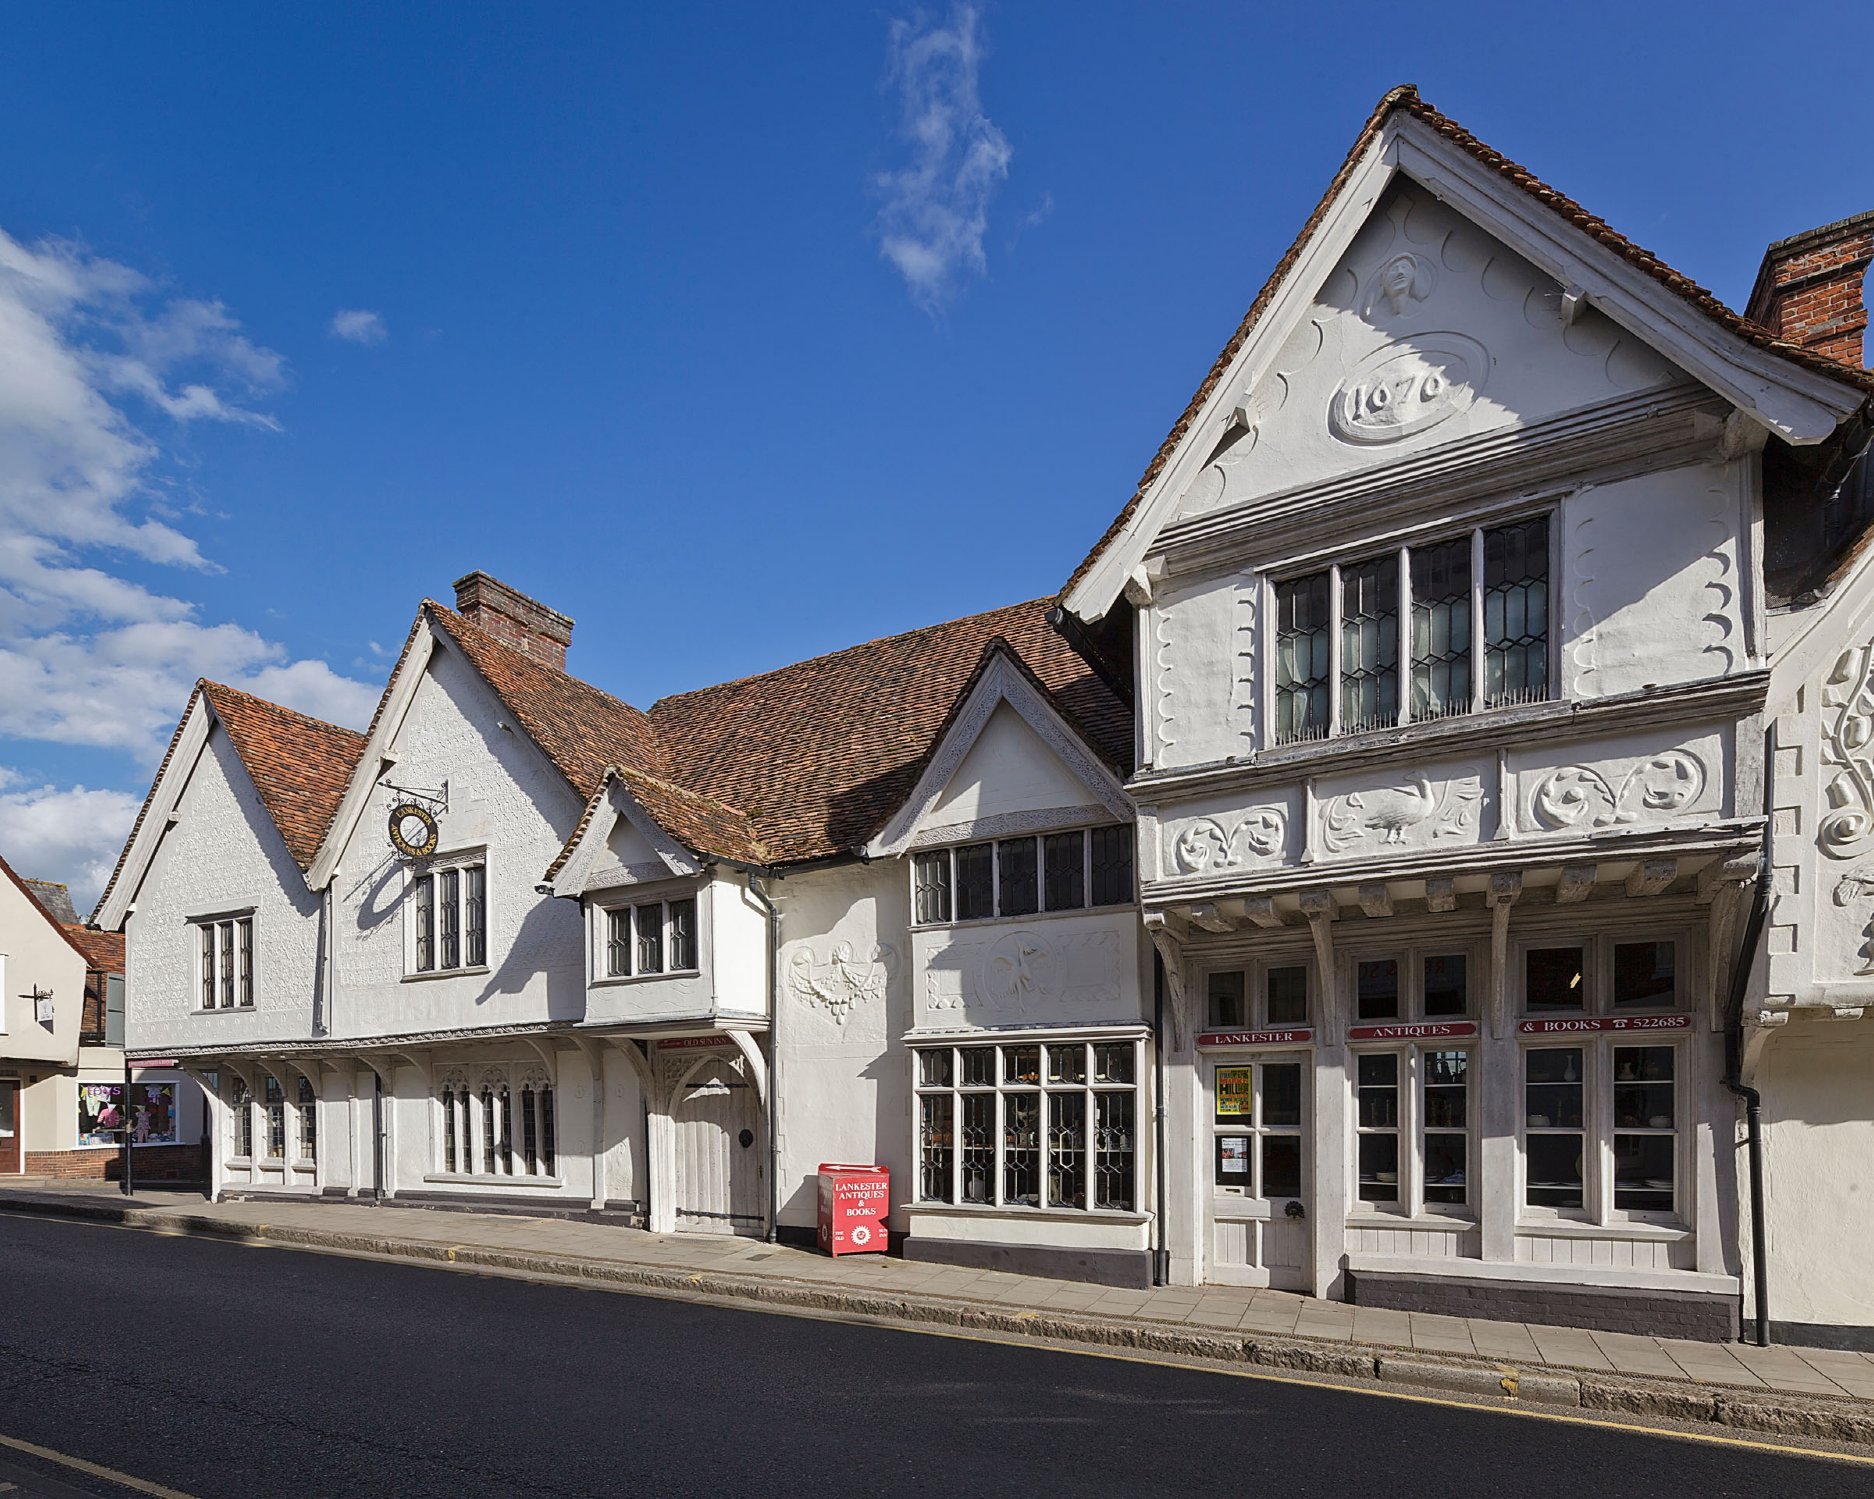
column 1804, row 1391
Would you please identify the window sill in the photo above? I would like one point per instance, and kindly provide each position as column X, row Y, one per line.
column 1663, row 1232
column 1043, row 1215
column 625, row 980
column 444, row 973
column 479, row 1179
column 973, row 922
column 246, row 1009
column 1432, row 1222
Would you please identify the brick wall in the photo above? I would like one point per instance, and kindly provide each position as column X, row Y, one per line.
column 1809, row 289
column 525, row 624
column 178, row 1163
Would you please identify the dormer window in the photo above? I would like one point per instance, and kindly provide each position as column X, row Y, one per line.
column 1428, row 631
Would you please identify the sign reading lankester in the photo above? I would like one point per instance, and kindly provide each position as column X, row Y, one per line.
column 1214, row 1039
column 1588, row 1024
column 853, row 1203
column 1436, row 1030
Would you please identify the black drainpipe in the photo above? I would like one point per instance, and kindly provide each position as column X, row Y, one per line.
column 377, row 1126
column 755, row 889
column 1734, row 1057
column 1161, row 1253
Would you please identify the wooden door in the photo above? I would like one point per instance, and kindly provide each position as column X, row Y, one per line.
column 9, row 1127
column 721, row 1159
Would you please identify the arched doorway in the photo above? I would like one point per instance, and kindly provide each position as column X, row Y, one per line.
column 721, row 1151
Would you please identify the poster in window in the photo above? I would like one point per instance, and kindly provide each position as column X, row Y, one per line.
column 1233, row 1093
column 1233, row 1155
column 151, row 1114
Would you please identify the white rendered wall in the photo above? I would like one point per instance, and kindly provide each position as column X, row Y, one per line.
column 504, row 796
column 223, row 854
column 1008, row 769
column 34, row 954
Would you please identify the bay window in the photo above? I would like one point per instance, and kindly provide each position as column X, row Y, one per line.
column 1046, row 1124
column 649, row 938
column 1067, row 871
column 1452, row 626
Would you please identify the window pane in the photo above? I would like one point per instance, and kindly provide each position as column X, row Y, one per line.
column 1110, row 853
column 649, row 921
column 1065, row 858
column 530, row 1134
column 1233, row 1161
column 1645, row 973
column 1281, row 1165
column 934, row 1068
column 1552, row 1119
column 425, row 891
column 930, row 881
column 1226, row 1001
column 1302, row 659
column 1112, row 1062
column 1379, row 1091
column 979, row 1066
column 1113, row 1151
column 683, row 935
column 979, row 1146
column 1021, row 1149
column 1023, row 1064
column 474, row 915
column 1369, row 645
column 1379, row 1168
column 1553, row 1096
column 224, row 942
column 308, row 1121
column 1067, row 1145
column 1015, row 858
column 618, row 941
column 1446, row 1115
column 1555, row 1170
column 449, row 908
column 245, row 928
column 208, row 965
column 1516, row 613
column 1446, row 990
column 1287, row 993
column 1281, row 1094
column 975, row 892
column 1235, row 1104
column 934, row 1146
column 549, row 1140
column 1441, row 629
column 1553, row 978
column 1377, row 989
column 1067, row 1062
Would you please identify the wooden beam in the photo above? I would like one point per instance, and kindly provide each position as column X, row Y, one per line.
column 1651, row 876
column 1376, row 900
column 1576, row 883
column 1261, row 910
column 1207, row 916
column 1505, row 887
column 1441, row 893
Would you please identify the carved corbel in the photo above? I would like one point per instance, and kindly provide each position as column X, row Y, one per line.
column 1211, row 917
column 1505, row 887
column 1441, row 893
column 1168, row 933
column 1261, row 910
column 1376, row 899
column 1651, row 876
column 1576, row 884
column 1318, row 906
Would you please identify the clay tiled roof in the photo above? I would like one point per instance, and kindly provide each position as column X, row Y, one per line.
column 103, row 951
column 300, row 765
column 821, row 753
column 1406, row 98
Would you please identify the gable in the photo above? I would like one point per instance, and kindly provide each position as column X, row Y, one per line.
column 1009, row 770
column 1426, row 331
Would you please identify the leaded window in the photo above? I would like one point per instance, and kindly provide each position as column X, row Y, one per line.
column 1469, row 616
column 227, row 963
column 275, row 1097
column 449, row 919
column 650, row 938
column 241, row 1118
column 1032, row 1124
column 307, row 1106
column 1021, row 876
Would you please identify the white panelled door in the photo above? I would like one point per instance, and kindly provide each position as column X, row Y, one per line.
column 721, row 1157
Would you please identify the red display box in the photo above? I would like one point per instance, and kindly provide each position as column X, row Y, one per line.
column 853, row 1203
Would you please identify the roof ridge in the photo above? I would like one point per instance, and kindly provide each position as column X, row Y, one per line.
column 1043, row 602
column 534, row 661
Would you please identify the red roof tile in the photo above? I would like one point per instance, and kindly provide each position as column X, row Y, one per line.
column 300, row 765
column 103, row 951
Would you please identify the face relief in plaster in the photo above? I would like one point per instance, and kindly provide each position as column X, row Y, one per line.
column 844, row 979
column 1847, row 828
column 1416, row 812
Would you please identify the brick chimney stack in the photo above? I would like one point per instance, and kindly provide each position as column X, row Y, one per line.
column 1809, row 288
column 521, row 623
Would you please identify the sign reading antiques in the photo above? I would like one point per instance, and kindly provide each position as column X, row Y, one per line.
column 413, row 830
column 1436, row 1030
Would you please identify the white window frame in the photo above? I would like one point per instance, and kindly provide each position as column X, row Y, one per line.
column 241, row 1104
column 1000, row 1089
column 1249, row 1200
column 1598, row 1069
column 629, row 902
column 223, row 937
column 1359, row 555
column 948, row 852
column 1256, row 992
column 305, row 1122
column 1411, row 1057
column 429, row 873
column 480, row 1115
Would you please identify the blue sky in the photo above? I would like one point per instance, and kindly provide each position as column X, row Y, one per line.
column 667, row 314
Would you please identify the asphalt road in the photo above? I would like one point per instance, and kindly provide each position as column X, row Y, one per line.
column 217, row 1370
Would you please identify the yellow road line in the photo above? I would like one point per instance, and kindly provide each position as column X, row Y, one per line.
column 95, row 1470
column 1127, row 1356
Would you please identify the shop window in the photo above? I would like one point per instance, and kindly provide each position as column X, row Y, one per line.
column 1602, row 1128
column 1269, row 994
column 306, row 1105
column 1444, row 1131
column 1376, row 989
column 1469, row 614
column 1029, row 1125
column 537, row 1127
column 1021, row 876
column 1377, row 1091
column 449, row 918
column 225, row 962
column 274, row 1098
column 1602, row 975
column 1645, row 975
column 504, row 1125
column 1411, row 985
column 651, row 938
column 1256, row 1129
column 240, row 1119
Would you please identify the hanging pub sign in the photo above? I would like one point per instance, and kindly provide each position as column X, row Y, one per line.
column 42, row 1005
column 1582, row 1025
column 413, row 830
column 1212, row 1040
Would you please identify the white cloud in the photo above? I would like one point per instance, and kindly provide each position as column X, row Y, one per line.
column 72, row 834
column 936, row 207
column 357, row 325
column 98, row 368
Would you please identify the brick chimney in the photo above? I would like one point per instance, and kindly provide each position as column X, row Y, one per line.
column 521, row 623
column 1809, row 288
